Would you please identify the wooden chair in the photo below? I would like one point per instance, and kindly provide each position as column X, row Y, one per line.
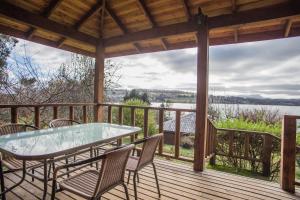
column 62, row 122
column 92, row 184
column 146, row 157
column 11, row 163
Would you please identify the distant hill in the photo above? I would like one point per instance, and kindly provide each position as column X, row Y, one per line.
column 178, row 96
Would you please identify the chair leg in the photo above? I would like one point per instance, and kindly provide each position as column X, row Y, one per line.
column 126, row 191
column 134, row 186
column 53, row 189
column 138, row 177
column 91, row 155
column 50, row 164
column 129, row 174
column 156, row 179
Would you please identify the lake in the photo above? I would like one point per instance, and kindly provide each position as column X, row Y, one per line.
column 283, row 110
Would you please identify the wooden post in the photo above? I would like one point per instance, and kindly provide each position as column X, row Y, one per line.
column 109, row 114
column 120, row 141
column 132, row 114
column 55, row 112
column 14, row 115
column 37, row 117
column 267, row 153
column 99, row 82
column 161, row 130
column 288, row 153
column 71, row 113
column 84, row 114
column 146, row 112
column 202, row 92
column 177, row 134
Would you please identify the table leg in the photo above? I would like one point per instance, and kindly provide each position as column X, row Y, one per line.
column 45, row 180
column 2, row 181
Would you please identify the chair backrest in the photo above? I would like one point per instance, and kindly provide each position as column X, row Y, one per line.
column 15, row 128
column 148, row 150
column 62, row 122
column 113, row 169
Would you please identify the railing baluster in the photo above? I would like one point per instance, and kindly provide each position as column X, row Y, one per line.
column 14, row 115
column 161, row 130
column 231, row 136
column 177, row 134
column 132, row 122
column 37, row 116
column 109, row 114
column 84, row 114
column 247, row 140
column 71, row 112
column 55, row 112
column 120, row 141
column 146, row 113
column 267, row 152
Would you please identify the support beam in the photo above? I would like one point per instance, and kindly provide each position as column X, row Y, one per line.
column 99, row 72
column 96, row 8
column 37, row 21
column 288, row 153
column 99, row 82
column 288, row 28
column 47, row 13
column 187, row 12
column 236, row 35
column 202, row 93
column 233, row 6
column 239, row 18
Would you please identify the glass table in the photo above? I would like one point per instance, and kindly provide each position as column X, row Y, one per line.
column 46, row 144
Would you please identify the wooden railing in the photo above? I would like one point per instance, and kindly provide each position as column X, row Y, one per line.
column 36, row 109
column 252, row 146
column 160, row 121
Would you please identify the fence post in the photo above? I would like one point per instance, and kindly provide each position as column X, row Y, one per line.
column 161, row 130
column 132, row 122
column 266, row 158
column 14, row 115
column 84, row 114
column 177, row 134
column 55, row 112
column 37, row 116
column 288, row 153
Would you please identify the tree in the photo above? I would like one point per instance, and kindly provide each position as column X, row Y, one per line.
column 6, row 46
column 139, row 115
column 134, row 94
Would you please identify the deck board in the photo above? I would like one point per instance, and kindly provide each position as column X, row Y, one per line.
column 177, row 181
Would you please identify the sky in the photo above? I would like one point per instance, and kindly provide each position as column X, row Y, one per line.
column 269, row 69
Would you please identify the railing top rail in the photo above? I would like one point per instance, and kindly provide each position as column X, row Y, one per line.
column 292, row 116
column 149, row 107
column 45, row 105
column 248, row 132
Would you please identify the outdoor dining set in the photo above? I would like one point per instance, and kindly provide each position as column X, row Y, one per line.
column 83, row 159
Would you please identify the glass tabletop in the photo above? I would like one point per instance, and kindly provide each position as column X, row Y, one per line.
column 48, row 143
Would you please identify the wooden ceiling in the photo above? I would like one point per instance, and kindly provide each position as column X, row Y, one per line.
column 140, row 26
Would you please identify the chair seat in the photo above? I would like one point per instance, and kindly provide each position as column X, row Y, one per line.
column 132, row 163
column 82, row 184
column 15, row 164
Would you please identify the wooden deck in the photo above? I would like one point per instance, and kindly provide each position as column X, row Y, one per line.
column 177, row 181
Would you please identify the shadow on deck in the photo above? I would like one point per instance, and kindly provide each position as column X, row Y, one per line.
column 177, row 181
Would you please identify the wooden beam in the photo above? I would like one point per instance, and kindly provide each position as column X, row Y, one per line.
column 116, row 19
column 96, row 8
column 47, row 13
column 187, row 12
column 288, row 153
column 239, row 18
column 99, row 82
column 37, row 21
column 146, row 12
column 202, row 93
column 233, row 6
column 19, row 34
column 288, row 28
column 164, row 43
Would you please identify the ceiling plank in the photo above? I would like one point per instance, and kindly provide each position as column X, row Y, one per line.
column 288, row 28
column 38, row 21
column 47, row 13
column 186, row 9
column 239, row 18
column 96, row 8
column 236, row 35
column 233, row 6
